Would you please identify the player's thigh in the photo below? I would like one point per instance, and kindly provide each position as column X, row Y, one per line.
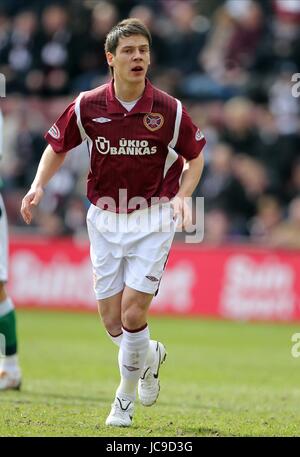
column 106, row 257
column 110, row 312
column 146, row 259
column 146, row 262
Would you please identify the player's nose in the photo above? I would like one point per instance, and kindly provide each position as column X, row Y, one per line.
column 137, row 55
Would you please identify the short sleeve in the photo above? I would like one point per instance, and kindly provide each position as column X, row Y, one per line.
column 191, row 140
column 64, row 133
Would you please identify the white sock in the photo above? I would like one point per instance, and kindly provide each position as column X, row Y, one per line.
column 151, row 350
column 10, row 363
column 115, row 339
column 132, row 356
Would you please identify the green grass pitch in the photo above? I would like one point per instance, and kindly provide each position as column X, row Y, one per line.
column 220, row 379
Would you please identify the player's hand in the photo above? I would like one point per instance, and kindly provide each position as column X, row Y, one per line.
column 31, row 200
column 182, row 212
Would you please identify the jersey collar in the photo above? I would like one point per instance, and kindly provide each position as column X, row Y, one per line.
column 144, row 104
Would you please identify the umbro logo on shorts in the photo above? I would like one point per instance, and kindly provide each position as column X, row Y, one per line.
column 152, row 278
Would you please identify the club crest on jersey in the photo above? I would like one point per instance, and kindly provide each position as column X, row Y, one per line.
column 54, row 131
column 153, row 121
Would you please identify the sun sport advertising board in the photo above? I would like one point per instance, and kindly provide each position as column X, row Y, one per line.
column 239, row 283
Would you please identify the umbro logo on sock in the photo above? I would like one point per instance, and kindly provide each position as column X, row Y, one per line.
column 130, row 368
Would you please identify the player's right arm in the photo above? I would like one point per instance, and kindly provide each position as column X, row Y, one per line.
column 49, row 164
column 63, row 136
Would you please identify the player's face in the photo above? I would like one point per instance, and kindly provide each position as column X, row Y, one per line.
column 131, row 60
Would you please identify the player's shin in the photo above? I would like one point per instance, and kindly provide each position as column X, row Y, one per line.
column 9, row 336
column 116, row 339
column 8, row 326
column 132, row 357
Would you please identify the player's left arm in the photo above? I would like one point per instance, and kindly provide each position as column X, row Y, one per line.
column 190, row 145
column 190, row 178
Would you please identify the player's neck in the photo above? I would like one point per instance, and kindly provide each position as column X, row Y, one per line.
column 128, row 92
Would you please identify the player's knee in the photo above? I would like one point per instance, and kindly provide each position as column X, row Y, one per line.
column 134, row 317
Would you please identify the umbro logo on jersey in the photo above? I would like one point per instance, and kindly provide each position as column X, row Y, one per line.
column 102, row 120
column 54, row 131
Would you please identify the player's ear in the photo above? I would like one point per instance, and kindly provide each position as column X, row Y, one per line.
column 109, row 58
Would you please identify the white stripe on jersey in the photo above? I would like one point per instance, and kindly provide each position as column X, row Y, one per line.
column 78, row 117
column 172, row 154
column 83, row 134
column 173, row 142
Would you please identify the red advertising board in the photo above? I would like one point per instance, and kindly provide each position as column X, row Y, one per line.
column 233, row 282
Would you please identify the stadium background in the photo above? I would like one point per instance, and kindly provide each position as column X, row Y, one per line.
column 231, row 63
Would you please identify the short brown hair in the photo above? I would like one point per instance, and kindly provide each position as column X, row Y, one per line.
column 125, row 28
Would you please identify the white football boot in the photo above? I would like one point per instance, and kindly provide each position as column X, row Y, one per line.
column 148, row 386
column 121, row 413
column 10, row 380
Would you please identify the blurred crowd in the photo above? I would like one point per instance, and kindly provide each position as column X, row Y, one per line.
column 231, row 62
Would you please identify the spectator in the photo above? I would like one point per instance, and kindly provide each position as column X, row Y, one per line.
column 56, row 51
column 286, row 234
column 231, row 60
column 269, row 215
column 91, row 59
column 239, row 127
column 189, row 39
column 19, row 50
column 217, row 227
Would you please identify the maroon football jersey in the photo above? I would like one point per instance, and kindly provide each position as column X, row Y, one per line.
column 132, row 154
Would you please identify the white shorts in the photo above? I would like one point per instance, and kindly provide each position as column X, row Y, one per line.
column 3, row 242
column 129, row 249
